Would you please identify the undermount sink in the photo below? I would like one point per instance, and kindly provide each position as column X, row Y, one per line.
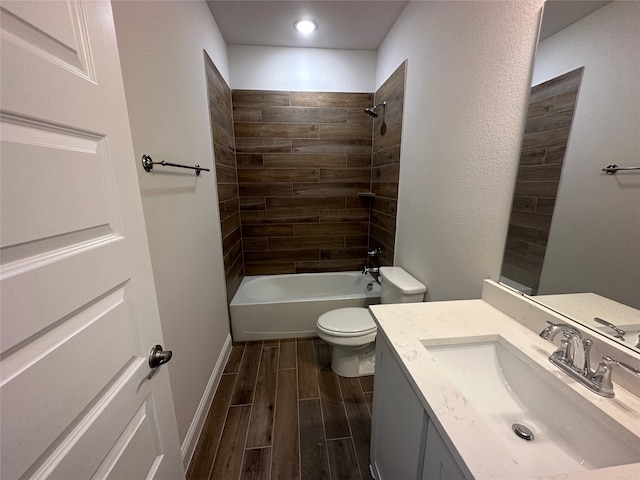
column 516, row 397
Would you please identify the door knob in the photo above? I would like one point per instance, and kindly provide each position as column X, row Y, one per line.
column 158, row 357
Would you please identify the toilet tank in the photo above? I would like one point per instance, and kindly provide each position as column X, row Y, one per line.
column 400, row 287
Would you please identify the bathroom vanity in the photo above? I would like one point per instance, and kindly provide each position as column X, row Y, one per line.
column 441, row 409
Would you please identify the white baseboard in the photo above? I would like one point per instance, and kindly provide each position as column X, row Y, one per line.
column 195, row 429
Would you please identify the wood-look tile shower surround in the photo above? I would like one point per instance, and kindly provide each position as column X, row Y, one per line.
column 551, row 108
column 289, row 167
column 302, row 159
column 221, row 116
column 385, row 168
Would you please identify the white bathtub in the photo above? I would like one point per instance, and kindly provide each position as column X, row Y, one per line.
column 287, row 306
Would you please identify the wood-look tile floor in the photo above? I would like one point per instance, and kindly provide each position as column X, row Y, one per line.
column 280, row 413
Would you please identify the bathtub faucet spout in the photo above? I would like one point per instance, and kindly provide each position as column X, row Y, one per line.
column 373, row 271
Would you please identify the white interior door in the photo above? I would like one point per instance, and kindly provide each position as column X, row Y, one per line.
column 79, row 313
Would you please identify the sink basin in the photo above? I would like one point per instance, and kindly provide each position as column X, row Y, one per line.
column 506, row 388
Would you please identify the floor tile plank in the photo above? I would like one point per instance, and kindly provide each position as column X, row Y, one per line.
column 359, row 419
column 247, row 373
column 235, row 357
column 335, row 418
column 287, row 353
column 204, row 454
column 366, row 383
column 261, row 424
column 313, row 450
column 257, row 464
column 228, row 461
column 307, row 372
column 342, row 460
column 285, row 455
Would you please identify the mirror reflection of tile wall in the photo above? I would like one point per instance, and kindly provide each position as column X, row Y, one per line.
column 551, row 108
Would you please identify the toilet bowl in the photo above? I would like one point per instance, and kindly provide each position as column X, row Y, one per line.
column 351, row 332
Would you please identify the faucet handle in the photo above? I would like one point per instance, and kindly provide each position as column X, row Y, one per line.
column 602, row 375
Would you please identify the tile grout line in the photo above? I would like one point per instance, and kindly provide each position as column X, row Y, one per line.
column 253, row 396
column 353, row 444
column 215, row 456
column 324, row 428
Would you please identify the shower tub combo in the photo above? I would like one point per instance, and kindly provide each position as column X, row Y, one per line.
column 288, row 306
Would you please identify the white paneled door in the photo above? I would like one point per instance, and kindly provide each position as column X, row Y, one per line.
column 79, row 314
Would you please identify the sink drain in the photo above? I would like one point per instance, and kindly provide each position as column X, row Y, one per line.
column 522, row 431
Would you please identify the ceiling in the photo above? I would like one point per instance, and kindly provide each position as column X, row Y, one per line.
column 351, row 25
column 345, row 24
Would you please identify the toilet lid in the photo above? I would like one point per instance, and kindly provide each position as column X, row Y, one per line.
column 347, row 322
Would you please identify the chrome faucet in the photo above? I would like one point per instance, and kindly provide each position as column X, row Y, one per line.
column 372, row 270
column 572, row 357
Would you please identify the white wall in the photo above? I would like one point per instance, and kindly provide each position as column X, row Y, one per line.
column 594, row 243
column 161, row 50
column 468, row 78
column 301, row 69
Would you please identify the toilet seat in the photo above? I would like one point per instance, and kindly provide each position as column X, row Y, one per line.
column 347, row 322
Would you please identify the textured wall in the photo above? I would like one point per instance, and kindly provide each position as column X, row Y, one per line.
column 164, row 78
column 302, row 158
column 385, row 167
column 551, row 108
column 221, row 117
column 468, row 79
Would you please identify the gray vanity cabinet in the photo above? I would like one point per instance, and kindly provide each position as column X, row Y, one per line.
column 404, row 442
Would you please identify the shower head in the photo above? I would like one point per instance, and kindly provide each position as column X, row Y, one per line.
column 373, row 111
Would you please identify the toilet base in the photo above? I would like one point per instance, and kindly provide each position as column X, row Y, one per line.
column 354, row 363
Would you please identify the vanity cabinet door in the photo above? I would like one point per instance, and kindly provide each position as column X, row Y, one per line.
column 438, row 462
column 399, row 421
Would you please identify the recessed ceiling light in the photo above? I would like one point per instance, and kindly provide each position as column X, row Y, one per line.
column 305, row 26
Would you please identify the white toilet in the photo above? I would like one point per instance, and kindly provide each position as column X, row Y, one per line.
column 352, row 332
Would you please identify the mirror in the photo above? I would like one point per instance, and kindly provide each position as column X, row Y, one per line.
column 574, row 232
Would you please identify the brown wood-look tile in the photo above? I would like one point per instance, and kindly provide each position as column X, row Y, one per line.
column 313, row 457
column 276, row 130
column 344, row 253
column 281, row 216
column 307, row 371
column 261, row 424
column 229, row 225
column 287, row 353
column 269, row 268
column 348, row 265
column 263, row 145
column 335, row 418
column 359, row 419
column 205, row 452
column 227, row 192
column 279, row 175
column 342, row 175
column 344, row 215
column 329, row 189
column 329, row 145
column 289, row 203
column 267, row 231
column 257, row 464
column 285, row 243
column 304, row 114
column 537, row 189
column 366, row 383
column 350, row 130
column 228, row 461
column 271, row 256
column 369, row 397
column 265, row 189
column 353, row 228
column 260, row 98
column 235, row 357
column 342, row 459
column 285, row 455
column 305, row 160
column 243, row 392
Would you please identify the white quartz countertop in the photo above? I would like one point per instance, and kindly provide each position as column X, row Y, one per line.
column 405, row 326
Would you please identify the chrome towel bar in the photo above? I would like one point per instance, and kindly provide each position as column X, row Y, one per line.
column 612, row 169
column 148, row 163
